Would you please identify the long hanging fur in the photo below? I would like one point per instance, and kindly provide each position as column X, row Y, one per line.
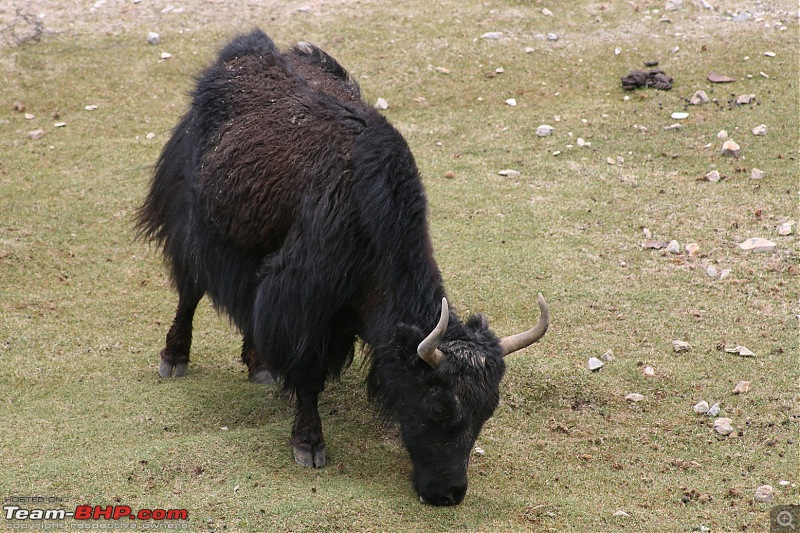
column 296, row 207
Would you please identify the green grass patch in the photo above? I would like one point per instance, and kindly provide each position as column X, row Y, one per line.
column 85, row 308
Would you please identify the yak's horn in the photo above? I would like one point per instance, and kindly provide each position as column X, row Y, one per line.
column 522, row 340
column 427, row 349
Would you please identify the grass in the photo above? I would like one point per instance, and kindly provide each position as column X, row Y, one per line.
column 85, row 308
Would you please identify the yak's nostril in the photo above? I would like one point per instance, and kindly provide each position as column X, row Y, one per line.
column 452, row 495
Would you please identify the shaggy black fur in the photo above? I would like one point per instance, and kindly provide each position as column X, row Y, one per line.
column 298, row 209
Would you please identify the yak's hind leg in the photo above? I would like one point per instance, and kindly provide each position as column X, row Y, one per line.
column 256, row 370
column 175, row 355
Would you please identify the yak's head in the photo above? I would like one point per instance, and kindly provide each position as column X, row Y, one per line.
column 442, row 399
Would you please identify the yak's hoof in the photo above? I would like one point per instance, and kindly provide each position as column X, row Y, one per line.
column 170, row 370
column 309, row 457
column 264, row 377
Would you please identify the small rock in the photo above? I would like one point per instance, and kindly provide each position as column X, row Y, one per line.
column 595, row 364
column 757, row 244
column 713, row 176
column 509, row 173
column 679, row 115
column 756, row 174
column 784, row 483
column 479, row 451
column 557, row 152
column 511, row 102
column 634, row 397
column 785, row 228
column 673, row 5
column 552, row 37
column 769, row 54
column 529, row 50
column 649, row 371
column 29, row 116
column 544, row 130
column 611, row 161
column 700, row 97
column 651, row 244
column 744, row 99
column 382, row 104
column 741, row 350
column 764, row 493
column 622, row 514
column 608, row 356
column 692, row 249
column 59, row 124
column 675, row 126
column 700, row 407
column 583, row 143
column 711, row 271
column 723, row 426
column 731, row 148
column 165, row 55
column 713, row 410
column 153, row 37
column 617, row 51
column 35, row 134
column 224, row 428
column 442, row 70
column 150, row 135
column 90, row 107
column 760, row 130
column 546, row 12
column 492, row 35
column 742, row 387
column 681, row 346
column 722, row 135
column 725, row 273
column 673, row 247
column 713, row 77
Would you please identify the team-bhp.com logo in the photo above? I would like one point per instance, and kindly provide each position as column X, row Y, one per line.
column 96, row 512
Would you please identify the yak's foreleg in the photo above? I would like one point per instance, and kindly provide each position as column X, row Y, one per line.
column 256, row 370
column 175, row 355
column 308, row 442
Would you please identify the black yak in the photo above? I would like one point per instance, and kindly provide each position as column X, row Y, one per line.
column 298, row 209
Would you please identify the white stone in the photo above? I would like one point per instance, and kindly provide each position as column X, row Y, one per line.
column 741, row 350
column 764, row 493
column 594, row 364
column 622, row 514
column 769, row 54
column 714, row 410
column 699, row 97
column 723, row 426
column 544, row 130
column 673, row 247
column 509, row 173
column 757, row 244
column 546, row 12
column 90, row 107
column 713, row 176
column 680, row 115
column 649, row 371
column 552, row 37
column 673, row 5
column 492, row 35
column 479, row 451
column 711, row 271
column 722, row 135
column 700, row 407
column 634, row 397
column 760, row 130
column 153, row 37
column 742, row 387
column 382, row 104
column 731, row 148
column 608, row 356
column 150, row 135
column 756, row 174
column 785, row 228
column 681, row 346
column 165, row 55
column 511, row 102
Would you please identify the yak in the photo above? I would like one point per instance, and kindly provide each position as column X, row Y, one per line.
column 299, row 210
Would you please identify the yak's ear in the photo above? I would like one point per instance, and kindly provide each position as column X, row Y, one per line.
column 477, row 322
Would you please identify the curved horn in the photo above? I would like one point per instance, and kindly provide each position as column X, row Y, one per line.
column 427, row 349
column 522, row 340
